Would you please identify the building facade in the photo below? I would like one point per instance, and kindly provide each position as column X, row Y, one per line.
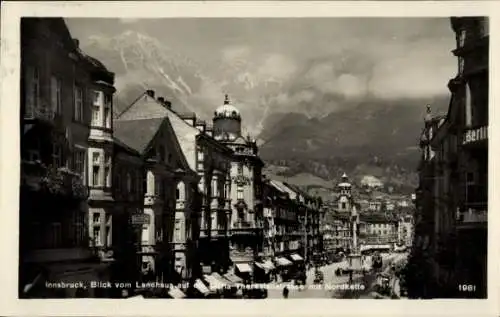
column 454, row 177
column 170, row 225
column 58, row 84
column 246, row 218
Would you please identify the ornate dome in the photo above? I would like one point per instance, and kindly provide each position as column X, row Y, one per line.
column 227, row 110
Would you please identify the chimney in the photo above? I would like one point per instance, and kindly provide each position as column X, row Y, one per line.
column 161, row 100
column 151, row 93
column 77, row 43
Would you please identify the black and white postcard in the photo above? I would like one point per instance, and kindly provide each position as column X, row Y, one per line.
column 248, row 153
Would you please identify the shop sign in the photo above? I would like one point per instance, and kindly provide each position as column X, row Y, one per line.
column 475, row 135
column 140, row 219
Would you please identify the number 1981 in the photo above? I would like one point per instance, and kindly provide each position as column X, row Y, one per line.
column 466, row 288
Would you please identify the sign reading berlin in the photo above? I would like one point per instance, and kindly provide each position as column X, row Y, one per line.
column 475, row 135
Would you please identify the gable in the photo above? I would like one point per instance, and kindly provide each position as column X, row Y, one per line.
column 146, row 107
column 167, row 137
column 137, row 134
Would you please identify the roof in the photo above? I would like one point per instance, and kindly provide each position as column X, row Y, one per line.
column 282, row 187
column 227, row 110
column 147, row 107
column 137, row 134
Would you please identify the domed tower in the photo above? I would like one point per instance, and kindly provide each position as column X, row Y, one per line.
column 226, row 122
column 344, row 201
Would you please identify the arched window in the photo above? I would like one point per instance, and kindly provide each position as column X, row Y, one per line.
column 181, row 191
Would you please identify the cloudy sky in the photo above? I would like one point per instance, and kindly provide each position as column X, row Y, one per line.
column 389, row 56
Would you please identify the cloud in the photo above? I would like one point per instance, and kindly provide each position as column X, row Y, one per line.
column 276, row 66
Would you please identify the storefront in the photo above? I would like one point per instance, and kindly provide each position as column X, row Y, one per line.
column 263, row 272
column 283, row 267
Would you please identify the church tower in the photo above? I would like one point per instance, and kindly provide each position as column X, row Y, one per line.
column 227, row 122
column 345, row 199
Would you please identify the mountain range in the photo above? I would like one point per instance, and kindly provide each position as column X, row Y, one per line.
column 303, row 125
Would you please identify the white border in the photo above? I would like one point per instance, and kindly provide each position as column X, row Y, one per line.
column 9, row 169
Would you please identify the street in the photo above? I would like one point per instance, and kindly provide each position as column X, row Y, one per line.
column 332, row 287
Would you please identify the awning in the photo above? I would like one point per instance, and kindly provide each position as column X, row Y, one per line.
column 233, row 278
column 244, row 267
column 176, row 293
column 214, row 283
column 269, row 265
column 222, row 279
column 201, row 287
column 283, row 262
column 296, row 257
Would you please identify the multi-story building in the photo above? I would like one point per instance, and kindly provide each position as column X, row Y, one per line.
column 128, row 194
column 471, row 121
column 405, row 230
column 312, row 208
column 246, row 216
column 170, row 222
column 379, row 229
column 58, row 84
column 461, row 146
column 421, row 258
column 453, row 189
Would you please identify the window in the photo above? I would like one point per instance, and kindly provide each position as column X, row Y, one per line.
column 96, row 218
column 178, row 230
column 461, row 64
column 108, row 104
column 78, row 111
column 32, row 90
column 95, row 169
column 129, row 182
column 55, row 94
column 79, row 160
column 107, row 169
column 108, row 236
column 468, row 105
column 55, row 235
column 96, row 235
column 343, row 206
column 95, row 115
column 214, row 187
column 177, row 194
column 108, row 219
column 461, row 38
column 239, row 193
column 96, row 98
column 56, row 155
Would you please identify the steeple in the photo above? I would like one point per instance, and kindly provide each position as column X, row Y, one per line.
column 428, row 113
column 226, row 100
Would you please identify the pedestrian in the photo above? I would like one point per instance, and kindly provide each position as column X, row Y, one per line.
column 285, row 292
column 350, row 276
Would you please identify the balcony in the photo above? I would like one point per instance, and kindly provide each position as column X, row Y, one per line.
column 43, row 113
column 242, row 225
column 59, row 182
column 472, row 218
